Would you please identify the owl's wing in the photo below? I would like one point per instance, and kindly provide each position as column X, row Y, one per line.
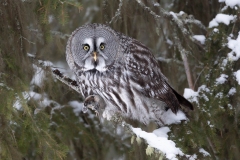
column 145, row 73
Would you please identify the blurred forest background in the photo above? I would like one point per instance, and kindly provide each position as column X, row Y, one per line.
column 38, row 117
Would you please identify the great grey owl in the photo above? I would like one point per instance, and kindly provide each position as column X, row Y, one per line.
column 119, row 75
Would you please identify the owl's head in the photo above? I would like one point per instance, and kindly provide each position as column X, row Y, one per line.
column 92, row 47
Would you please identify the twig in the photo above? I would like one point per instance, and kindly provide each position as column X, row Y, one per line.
column 60, row 34
column 54, row 33
column 27, row 40
column 199, row 76
column 118, row 12
column 197, row 22
column 187, row 69
column 169, row 60
column 185, row 61
column 233, row 27
column 212, row 147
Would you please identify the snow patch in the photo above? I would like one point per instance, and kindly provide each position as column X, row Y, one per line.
column 222, row 79
column 173, row 14
column 170, row 118
column 200, row 38
column 156, row 4
column 50, row 18
column 205, row 153
column 38, row 77
column 219, row 95
column 231, row 3
column 232, row 91
column 209, row 124
column 42, row 99
column 46, row 63
column 160, row 141
column 161, row 132
column 235, row 47
column 190, row 94
column 237, row 74
column 203, row 88
column 193, row 96
column 31, row 55
column 224, row 64
column 221, row 18
column 17, row 104
column 181, row 13
column 215, row 30
column 33, row 95
column 193, row 157
column 169, row 42
column 77, row 107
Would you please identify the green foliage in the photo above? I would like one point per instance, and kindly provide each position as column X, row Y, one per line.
column 46, row 10
column 214, row 125
column 58, row 8
column 23, row 134
column 23, row 131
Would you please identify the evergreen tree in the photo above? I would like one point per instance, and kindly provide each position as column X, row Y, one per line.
column 40, row 116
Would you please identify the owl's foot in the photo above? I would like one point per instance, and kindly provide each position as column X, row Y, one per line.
column 94, row 102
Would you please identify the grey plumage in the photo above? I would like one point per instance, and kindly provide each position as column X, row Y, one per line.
column 123, row 72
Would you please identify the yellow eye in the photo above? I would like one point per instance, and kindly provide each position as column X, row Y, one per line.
column 102, row 46
column 86, row 47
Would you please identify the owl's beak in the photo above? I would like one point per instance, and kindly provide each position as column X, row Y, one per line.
column 95, row 56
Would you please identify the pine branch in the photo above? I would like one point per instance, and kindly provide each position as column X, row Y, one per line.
column 66, row 80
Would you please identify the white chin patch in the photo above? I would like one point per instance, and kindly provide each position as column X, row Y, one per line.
column 101, row 67
column 89, row 65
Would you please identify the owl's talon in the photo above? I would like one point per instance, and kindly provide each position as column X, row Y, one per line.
column 93, row 102
column 85, row 109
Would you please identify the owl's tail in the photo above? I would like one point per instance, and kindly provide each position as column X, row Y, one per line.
column 183, row 101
